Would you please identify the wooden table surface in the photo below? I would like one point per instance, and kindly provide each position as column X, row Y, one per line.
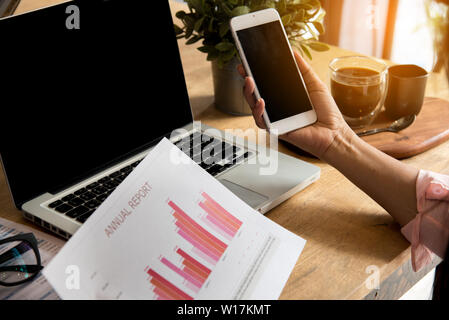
column 30, row 5
column 348, row 234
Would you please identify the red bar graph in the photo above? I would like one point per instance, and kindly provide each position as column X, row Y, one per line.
column 193, row 272
column 164, row 289
column 188, row 272
column 218, row 218
column 205, row 244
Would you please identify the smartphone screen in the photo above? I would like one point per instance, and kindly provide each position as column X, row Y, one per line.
column 274, row 70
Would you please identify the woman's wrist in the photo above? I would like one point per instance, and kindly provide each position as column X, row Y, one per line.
column 391, row 183
column 344, row 144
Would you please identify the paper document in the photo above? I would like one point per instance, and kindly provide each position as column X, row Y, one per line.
column 172, row 231
column 39, row 288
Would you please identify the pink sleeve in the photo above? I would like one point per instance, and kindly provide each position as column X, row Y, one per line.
column 428, row 232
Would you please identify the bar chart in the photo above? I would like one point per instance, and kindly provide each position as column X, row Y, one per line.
column 193, row 271
column 218, row 218
column 204, row 246
column 189, row 238
column 164, row 289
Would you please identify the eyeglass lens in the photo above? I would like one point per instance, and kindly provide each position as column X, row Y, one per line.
column 17, row 259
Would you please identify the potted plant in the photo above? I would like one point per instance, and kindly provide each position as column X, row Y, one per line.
column 208, row 21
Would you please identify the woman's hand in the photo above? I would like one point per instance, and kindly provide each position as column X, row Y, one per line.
column 316, row 138
column 388, row 181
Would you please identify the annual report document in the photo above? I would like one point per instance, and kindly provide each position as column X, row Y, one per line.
column 172, row 231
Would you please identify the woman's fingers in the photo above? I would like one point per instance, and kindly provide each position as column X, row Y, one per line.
column 257, row 106
column 241, row 70
column 248, row 88
column 248, row 92
column 313, row 83
column 258, row 113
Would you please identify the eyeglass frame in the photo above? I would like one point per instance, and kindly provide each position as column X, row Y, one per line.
column 31, row 240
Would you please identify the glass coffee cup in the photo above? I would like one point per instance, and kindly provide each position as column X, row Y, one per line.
column 358, row 86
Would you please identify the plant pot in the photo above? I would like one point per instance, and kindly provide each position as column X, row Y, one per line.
column 228, row 89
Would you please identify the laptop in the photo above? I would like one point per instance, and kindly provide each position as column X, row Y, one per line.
column 85, row 106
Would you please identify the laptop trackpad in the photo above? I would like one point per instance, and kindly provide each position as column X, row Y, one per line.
column 253, row 199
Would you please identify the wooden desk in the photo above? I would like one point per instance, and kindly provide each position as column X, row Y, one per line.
column 346, row 231
column 30, row 5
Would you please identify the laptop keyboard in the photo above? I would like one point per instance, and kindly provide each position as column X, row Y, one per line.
column 83, row 202
column 212, row 154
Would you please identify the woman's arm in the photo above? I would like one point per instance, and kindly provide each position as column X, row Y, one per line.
column 388, row 181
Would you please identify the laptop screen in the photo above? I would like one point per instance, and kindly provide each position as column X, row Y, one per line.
column 73, row 101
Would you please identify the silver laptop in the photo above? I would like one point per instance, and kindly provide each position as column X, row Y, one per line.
column 120, row 96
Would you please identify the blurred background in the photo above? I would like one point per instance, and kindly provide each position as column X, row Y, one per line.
column 404, row 31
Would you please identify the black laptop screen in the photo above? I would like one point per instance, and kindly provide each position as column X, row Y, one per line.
column 73, row 101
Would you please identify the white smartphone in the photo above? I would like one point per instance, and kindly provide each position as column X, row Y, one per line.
column 268, row 58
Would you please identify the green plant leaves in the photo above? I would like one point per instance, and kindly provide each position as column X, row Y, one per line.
column 178, row 30
column 238, row 11
column 193, row 39
column 224, row 46
column 306, row 51
column 223, row 29
column 198, row 23
column 317, row 46
column 198, row 5
column 286, row 19
column 208, row 20
column 319, row 26
column 205, row 49
column 180, row 14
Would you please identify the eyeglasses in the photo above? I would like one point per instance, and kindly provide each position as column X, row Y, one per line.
column 20, row 260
